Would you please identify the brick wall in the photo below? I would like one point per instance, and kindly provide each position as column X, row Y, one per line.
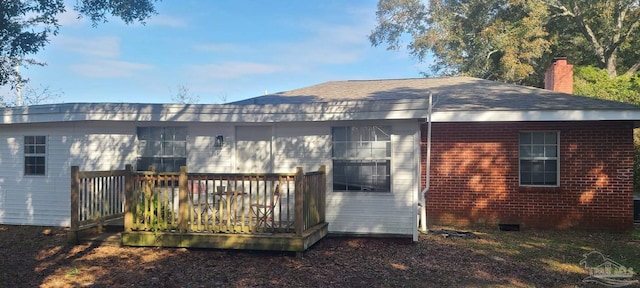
column 559, row 77
column 474, row 176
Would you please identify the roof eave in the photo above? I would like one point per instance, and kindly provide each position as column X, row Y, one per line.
column 536, row 115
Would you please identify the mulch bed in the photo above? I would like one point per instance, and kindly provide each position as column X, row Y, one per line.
column 39, row 257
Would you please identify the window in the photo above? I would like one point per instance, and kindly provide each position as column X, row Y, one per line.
column 362, row 158
column 164, row 148
column 539, row 163
column 35, row 154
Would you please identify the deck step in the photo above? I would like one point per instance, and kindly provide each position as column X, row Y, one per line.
column 107, row 238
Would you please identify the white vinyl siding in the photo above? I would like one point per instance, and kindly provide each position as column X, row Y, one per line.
column 204, row 156
column 308, row 145
column 45, row 200
column 111, row 145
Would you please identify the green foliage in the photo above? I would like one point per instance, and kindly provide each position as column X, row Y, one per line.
column 595, row 82
column 27, row 25
column 72, row 273
column 154, row 212
column 513, row 40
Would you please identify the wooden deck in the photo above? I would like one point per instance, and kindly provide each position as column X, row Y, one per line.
column 282, row 212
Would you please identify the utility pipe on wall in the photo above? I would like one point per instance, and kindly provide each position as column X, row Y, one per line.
column 422, row 197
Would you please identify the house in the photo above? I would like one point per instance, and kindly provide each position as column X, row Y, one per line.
column 500, row 153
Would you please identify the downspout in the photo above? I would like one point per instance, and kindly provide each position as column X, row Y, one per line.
column 422, row 197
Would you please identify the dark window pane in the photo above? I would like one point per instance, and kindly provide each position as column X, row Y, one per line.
column 180, row 134
column 537, row 151
column 143, row 163
column 180, row 149
column 356, row 175
column 34, row 165
column 41, row 149
column 382, row 133
column 550, row 178
column 340, row 150
column 550, row 151
column 551, row 138
column 551, row 166
column 525, row 138
column 525, row 178
column 167, row 148
column 525, row 166
column 339, row 133
column 537, row 137
column 537, row 178
column 525, row 151
column 537, row 166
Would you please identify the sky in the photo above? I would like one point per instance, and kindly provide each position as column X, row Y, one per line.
column 221, row 51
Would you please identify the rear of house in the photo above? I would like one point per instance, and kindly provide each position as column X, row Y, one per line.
column 373, row 179
column 500, row 153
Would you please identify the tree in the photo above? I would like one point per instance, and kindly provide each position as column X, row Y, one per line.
column 513, row 40
column 30, row 96
column 183, row 96
column 608, row 27
column 595, row 82
column 27, row 25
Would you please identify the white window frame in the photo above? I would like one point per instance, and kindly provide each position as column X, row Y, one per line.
column 538, row 147
column 363, row 154
column 31, row 150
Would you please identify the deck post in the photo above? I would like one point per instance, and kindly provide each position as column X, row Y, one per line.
column 299, row 220
column 128, row 198
column 75, row 205
column 183, row 206
column 323, row 193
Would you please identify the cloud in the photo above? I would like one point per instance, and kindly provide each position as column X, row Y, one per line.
column 324, row 45
column 333, row 43
column 109, row 68
column 167, row 21
column 103, row 47
column 230, row 70
column 70, row 17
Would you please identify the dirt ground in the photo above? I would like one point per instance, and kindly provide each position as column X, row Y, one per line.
column 40, row 257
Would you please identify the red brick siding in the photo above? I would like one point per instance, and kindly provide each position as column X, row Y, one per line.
column 474, row 176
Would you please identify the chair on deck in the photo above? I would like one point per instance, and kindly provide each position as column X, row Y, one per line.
column 264, row 211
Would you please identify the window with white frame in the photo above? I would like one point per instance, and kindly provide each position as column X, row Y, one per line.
column 362, row 158
column 35, row 155
column 539, row 158
column 164, row 148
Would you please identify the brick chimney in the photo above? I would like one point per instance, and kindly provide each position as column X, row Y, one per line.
column 559, row 77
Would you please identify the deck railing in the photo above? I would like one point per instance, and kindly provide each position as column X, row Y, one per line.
column 201, row 202
column 97, row 196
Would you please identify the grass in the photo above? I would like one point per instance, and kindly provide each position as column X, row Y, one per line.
column 554, row 251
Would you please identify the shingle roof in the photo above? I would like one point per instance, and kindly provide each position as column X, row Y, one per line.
column 451, row 94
